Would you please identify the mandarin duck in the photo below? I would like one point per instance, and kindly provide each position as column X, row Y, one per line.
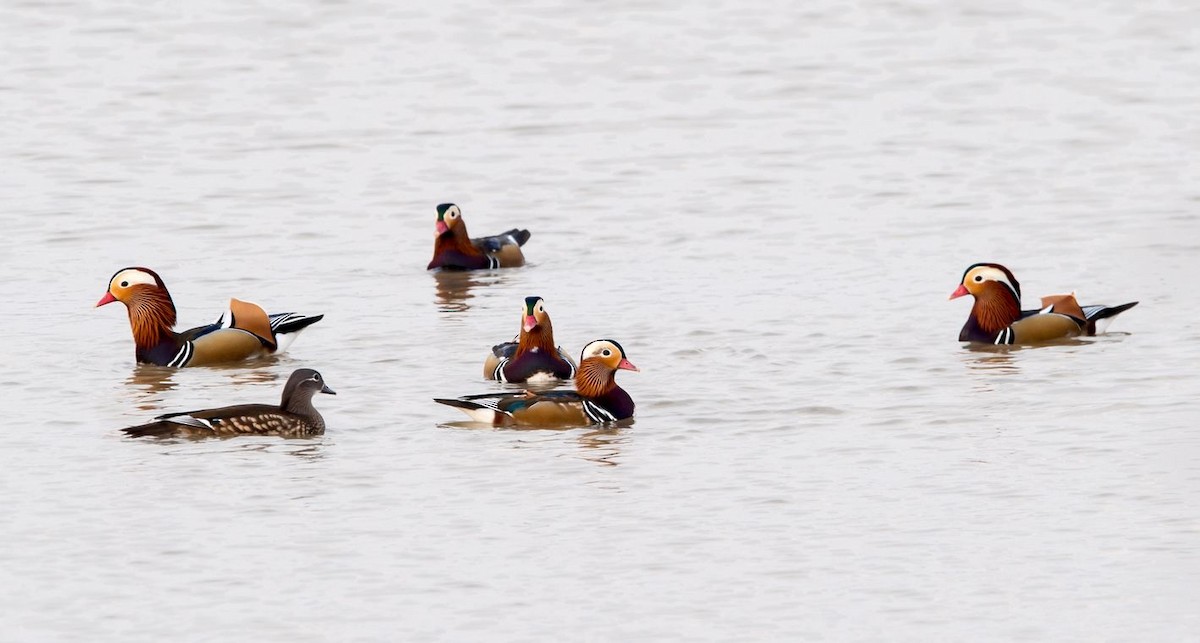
column 596, row 399
column 997, row 318
column 533, row 354
column 294, row 417
column 243, row 331
column 454, row 249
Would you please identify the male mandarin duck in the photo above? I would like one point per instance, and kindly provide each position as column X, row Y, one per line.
column 997, row 318
column 533, row 355
column 596, row 399
column 294, row 417
column 454, row 249
column 243, row 331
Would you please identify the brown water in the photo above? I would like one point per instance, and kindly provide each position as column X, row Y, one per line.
column 766, row 204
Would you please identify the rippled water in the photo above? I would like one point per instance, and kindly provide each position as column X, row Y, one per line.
column 766, row 203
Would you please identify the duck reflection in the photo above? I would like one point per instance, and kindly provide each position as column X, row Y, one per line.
column 992, row 360
column 454, row 287
column 599, row 444
column 603, row 445
column 1005, row 359
column 149, row 383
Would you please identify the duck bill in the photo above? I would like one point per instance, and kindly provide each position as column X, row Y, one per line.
column 106, row 299
column 442, row 228
column 627, row 365
column 530, row 323
column 328, row 391
column 959, row 292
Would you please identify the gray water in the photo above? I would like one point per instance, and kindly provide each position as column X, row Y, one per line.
column 765, row 203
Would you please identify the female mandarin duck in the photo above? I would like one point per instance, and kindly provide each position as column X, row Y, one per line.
column 295, row 417
column 243, row 331
column 454, row 249
column 997, row 318
column 533, row 355
column 596, row 398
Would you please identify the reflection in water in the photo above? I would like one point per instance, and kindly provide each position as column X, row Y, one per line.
column 311, row 449
column 603, row 445
column 454, row 287
column 986, row 361
column 1003, row 359
column 148, row 383
column 262, row 374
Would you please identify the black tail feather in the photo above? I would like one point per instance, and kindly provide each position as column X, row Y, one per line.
column 459, row 404
column 152, row 430
column 1112, row 311
column 299, row 323
column 520, row 235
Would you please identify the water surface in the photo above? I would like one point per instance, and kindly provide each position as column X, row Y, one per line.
column 766, row 204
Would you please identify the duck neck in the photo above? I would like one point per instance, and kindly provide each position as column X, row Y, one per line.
column 598, row 384
column 456, row 240
column 594, row 379
column 152, row 318
column 300, row 403
column 995, row 309
column 538, row 340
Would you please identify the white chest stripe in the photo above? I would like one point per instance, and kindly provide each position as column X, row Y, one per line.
column 597, row 413
column 498, row 374
column 183, row 356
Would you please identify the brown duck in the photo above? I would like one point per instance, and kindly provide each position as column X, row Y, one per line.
column 597, row 398
column 533, row 355
column 454, row 249
column 243, row 331
column 294, row 417
column 997, row 318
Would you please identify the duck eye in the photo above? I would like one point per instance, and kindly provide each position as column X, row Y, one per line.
column 978, row 278
column 607, row 353
column 124, row 284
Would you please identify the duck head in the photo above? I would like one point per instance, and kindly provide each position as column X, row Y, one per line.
column 533, row 314
column 128, row 284
column 151, row 310
column 997, row 295
column 449, row 220
column 982, row 279
column 301, row 386
column 598, row 364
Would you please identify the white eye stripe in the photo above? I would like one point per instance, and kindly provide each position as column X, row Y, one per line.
column 127, row 278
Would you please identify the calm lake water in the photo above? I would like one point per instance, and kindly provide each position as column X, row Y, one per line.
column 767, row 204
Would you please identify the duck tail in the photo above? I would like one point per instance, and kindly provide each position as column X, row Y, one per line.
column 479, row 412
column 1100, row 317
column 151, row 430
column 518, row 235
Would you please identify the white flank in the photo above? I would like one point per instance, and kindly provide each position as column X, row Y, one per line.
column 283, row 340
column 484, row 415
